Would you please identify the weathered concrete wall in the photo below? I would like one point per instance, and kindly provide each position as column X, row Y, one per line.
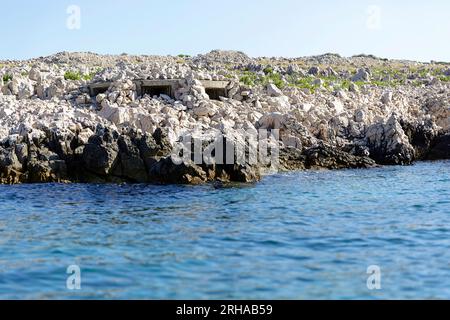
column 215, row 89
column 97, row 88
column 157, row 87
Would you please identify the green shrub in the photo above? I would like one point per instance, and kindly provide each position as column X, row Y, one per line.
column 75, row 76
column 71, row 75
column 276, row 79
column 380, row 83
column 268, row 70
column 247, row 80
column 345, row 84
column 7, row 78
column 306, row 83
column 91, row 75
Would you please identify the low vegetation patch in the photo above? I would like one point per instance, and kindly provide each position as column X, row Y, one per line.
column 7, row 78
column 381, row 76
column 72, row 75
column 251, row 79
column 75, row 75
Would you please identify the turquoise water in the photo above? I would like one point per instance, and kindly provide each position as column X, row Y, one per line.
column 306, row 235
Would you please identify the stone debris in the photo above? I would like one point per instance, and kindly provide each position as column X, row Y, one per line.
column 86, row 117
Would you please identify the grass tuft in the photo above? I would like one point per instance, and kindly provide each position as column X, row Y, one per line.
column 7, row 78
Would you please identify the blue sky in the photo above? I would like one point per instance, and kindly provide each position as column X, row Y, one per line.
column 409, row 29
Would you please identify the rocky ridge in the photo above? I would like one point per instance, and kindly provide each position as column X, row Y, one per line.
column 331, row 112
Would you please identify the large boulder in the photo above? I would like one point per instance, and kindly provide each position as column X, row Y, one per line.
column 440, row 149
column 273, row 90
column 21, row 87
column 361, row 75
column 388, row 143
column 100, row 155
column 324, row 156
column 131, row 166
column 10, row 166
column 245, row 173
column 422, row 136
column 291, row 132
column 291, row 159
column 112, row 112
column 314, row 71
column 154, row 147
column 270, row 121
column 35, row 74
column 166, row 171
column 45, row 165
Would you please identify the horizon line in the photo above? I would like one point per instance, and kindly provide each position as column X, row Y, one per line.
column 367, row 55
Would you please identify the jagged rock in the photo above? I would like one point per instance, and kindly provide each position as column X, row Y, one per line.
column 113, row 113
column 270, row 121
column 273, row 90
column 10, row 166
column 43, row 171
column 100, row 155
column 100, row 97
column 388, row 143
column 21, row 87
column 361, row 75
column 360, row 115
column 58, row 132
column 336, row 106
column 314, row 71
column 292, row 159
column 386, row 98
column 440, row 149
column 205, row 109
column 325, row 156
column 421, row 136
column 35, row 74
column 292, row 69
column 166, row 172
column 83, row 99
column 237, row 173
column 45, row 166
column 131, row 166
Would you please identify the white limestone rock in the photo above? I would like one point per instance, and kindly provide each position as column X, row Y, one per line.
column 273, row 90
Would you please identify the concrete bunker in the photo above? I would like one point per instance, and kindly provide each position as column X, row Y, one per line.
column 97, row 88
column 158, row 87
column 215, row 89
column 157, row 90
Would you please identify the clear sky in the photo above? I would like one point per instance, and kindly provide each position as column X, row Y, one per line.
column 411, row 29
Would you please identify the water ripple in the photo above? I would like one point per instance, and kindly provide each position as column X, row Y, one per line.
column 298, row 235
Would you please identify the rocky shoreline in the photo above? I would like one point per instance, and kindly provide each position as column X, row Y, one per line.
column 329, row 112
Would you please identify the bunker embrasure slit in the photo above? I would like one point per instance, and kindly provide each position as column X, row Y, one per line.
column 157, row 90
column 97, row 91
column 97, row 88
column 215, row 89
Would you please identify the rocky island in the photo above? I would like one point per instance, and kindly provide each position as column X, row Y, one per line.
column 84, row 117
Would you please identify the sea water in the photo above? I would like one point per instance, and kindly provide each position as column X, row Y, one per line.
column 302, row 235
